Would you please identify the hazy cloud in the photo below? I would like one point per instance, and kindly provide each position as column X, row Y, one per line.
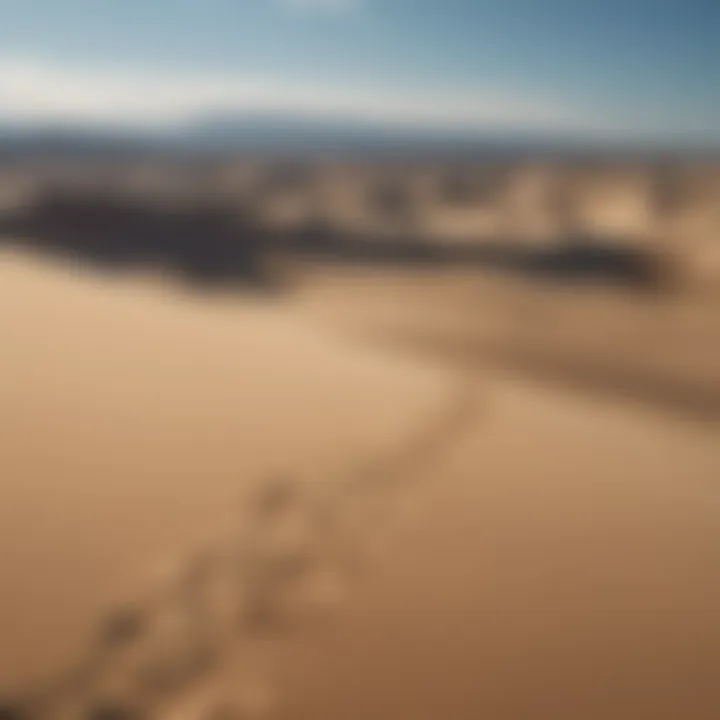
column 32, row 91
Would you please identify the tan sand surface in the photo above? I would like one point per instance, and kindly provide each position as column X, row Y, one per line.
column 131, row 421
column 556, row 557
column 561, row 563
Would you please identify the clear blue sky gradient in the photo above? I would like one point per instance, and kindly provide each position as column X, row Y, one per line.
column 655, row 62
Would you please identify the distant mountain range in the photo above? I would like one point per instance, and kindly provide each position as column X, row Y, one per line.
column 293, row 135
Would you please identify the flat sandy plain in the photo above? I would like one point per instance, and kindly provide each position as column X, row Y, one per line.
column 550, row 552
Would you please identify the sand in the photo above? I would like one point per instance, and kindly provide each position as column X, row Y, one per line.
column 554, row 557
column 132, row 419
column 563, row 564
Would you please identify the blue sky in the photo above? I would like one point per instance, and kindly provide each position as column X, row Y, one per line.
column 641, row 68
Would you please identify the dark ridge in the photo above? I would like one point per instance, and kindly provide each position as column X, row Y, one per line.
column 578, row 260
column 210, row 244
column 207, row 245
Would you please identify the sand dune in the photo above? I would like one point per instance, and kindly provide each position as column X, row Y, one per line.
column 545, row 554
column 131, row 422
column 563, row 565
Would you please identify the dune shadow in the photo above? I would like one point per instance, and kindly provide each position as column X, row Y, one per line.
column 205, row 244
column 597, row 259
column 680, row 394
column 211, row 244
